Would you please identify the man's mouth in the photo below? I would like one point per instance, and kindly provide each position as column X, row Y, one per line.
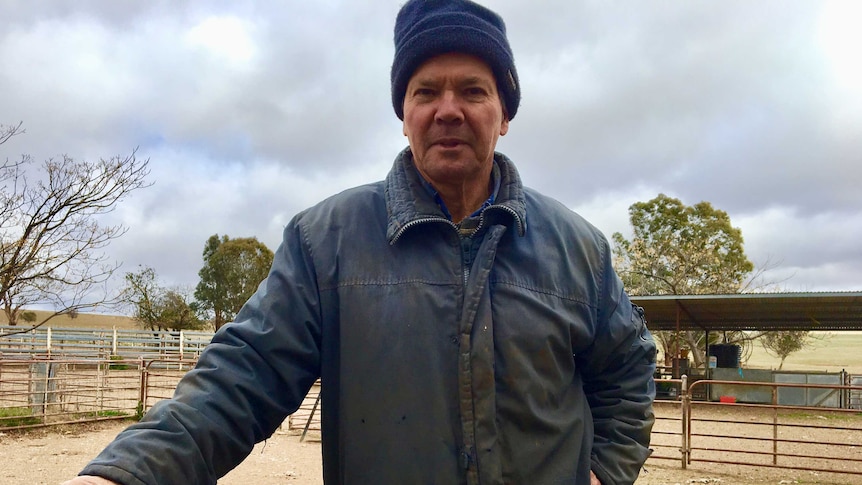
column 449, row 142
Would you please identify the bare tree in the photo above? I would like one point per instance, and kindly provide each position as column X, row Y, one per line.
column 142, row 293
column 8, row 131
column 51, row 240
column 156, row 307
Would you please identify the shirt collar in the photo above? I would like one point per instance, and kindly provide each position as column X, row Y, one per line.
column 495, row 176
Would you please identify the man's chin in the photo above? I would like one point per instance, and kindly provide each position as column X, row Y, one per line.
column 451, row 171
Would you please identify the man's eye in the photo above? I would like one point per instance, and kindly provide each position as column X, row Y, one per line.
column 475, row 92
column 423, row 92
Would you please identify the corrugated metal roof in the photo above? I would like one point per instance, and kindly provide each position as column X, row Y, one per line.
column 754, row 311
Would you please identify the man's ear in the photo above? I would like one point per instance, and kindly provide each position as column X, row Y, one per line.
column 504, row 126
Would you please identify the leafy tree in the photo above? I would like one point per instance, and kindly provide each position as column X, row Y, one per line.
column 178, row 313
column 156, row 307
column 782, row 344
column 51, row 238
column 681, row 250
column 232, row 271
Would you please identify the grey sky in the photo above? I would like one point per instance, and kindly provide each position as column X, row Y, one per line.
column 251, row 111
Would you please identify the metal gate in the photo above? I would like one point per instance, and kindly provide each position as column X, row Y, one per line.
column 796, row 437
column 854, row 400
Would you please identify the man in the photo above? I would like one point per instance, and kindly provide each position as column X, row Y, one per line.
column 456, row 342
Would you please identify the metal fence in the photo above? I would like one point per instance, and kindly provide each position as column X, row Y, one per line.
column 668, row 433
column 80, row 343
column 307, row 417
column 817, row 439
column 42, row 392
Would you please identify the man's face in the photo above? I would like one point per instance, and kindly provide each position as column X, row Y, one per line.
column 452, row 119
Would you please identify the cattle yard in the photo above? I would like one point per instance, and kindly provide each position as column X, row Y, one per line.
column 691, row 429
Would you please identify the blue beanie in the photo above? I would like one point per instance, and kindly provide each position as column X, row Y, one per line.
column 427, row 28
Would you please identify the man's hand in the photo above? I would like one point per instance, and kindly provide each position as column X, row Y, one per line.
column 88, row 480
column 594, row 480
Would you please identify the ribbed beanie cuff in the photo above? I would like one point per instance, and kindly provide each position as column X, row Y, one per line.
column 427, row 28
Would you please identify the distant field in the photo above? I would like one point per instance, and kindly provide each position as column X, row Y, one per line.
column 832, row 352
column 83, row 320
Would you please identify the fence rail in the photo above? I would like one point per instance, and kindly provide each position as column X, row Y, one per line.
column 78, row 343
column 817, row 439
column 43, row 392
column 668, row 435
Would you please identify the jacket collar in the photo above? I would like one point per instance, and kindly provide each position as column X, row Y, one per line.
column 409, row 204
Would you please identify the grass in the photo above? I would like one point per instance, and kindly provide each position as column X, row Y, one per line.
column 109, row 413
column 18, row 416
column 119, row 366
column 828, row 352
column 826, row 416
column 83, row 320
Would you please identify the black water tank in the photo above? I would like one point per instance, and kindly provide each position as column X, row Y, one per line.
column 726, row 355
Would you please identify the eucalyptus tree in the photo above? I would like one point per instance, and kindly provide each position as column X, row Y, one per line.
column 681, row 250
column 232, row 271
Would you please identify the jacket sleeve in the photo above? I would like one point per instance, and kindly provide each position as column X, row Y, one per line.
column 254, row 373
column 618, row 382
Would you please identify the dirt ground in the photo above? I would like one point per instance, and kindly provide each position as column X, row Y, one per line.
column 50, row 456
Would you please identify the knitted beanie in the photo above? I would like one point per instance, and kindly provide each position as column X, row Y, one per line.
column 427, row 28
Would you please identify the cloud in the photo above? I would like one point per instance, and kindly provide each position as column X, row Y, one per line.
column 249, row 112
column 811, row 252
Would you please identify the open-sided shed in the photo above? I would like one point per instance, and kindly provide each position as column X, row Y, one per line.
column 754, row 311
column 835, row 311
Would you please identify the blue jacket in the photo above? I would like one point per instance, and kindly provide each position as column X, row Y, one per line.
column 507, row 355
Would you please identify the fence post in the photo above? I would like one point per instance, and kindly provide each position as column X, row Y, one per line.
column 144, row 384
column 48, row 342
column 181, row 345
column 45, row 391
column 102, row 376
column 844, row 400
column 775, row 425
column 686, row 421
column 114, row 343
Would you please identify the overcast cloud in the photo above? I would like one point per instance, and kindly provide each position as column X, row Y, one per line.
column 251, row 111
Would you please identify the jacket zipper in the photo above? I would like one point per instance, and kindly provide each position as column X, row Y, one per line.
column 416, row 222
column 423, row 220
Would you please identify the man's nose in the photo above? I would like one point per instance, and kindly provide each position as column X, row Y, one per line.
column 449, row 109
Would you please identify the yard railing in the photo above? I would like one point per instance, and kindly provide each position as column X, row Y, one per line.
column 669, row 431
column 807, row 438
column 44, row 392
column 80, row 343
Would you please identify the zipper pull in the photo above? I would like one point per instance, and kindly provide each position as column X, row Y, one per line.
column 465, row 460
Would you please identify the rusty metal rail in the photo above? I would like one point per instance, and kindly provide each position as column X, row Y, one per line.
column 307, row 417
column 42, row 392
column 668, row 437
column 159, row 379
column 805, row 438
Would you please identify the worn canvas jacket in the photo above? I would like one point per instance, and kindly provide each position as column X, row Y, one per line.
column 509, row 355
